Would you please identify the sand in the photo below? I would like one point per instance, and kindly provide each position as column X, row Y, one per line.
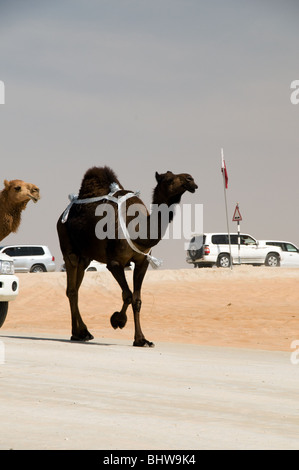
column 247, row 307
column 221, row 375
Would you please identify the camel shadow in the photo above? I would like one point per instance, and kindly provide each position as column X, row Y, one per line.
column 63, row 340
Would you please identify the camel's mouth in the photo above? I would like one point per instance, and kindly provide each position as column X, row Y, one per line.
column 191, row 187
column 192, row 190
column 190, row 184
column 34, row 198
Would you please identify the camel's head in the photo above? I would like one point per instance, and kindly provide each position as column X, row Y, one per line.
column 20, row 192
column 176, row 185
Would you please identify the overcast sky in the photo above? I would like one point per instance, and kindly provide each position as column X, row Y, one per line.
column 153, row 85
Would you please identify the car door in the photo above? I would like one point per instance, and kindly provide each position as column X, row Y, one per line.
column 290, row 255
column 249, row 250
column 221, row 245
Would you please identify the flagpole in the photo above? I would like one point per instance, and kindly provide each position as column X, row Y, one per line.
column 225, row 179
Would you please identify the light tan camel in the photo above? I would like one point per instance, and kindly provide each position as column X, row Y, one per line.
column 13, row 200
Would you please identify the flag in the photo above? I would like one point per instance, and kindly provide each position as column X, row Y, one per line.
column 223, row 169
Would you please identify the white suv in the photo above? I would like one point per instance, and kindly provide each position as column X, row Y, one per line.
column 290, row 252
column 210, row 249
column 9, row 285
column 30, row 258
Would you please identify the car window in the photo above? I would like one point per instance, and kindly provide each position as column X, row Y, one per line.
column 290, row 247
column 20, row 251
column 10, row 251
column 279, row 244
column 17, row 251
column 284, row 246
column 247, row 240
column 224, row 240
column 36, row 250
column 24, row 251
column 220, row 239
column 234, row 239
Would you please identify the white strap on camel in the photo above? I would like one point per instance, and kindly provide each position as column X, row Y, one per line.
column 154, row 262
column 74, row 200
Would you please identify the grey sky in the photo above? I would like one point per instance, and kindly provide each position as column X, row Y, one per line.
column 160, row 85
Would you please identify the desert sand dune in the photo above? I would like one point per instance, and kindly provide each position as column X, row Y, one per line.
column 248, row 307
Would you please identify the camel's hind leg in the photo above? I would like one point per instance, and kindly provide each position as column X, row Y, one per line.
column 75, row 268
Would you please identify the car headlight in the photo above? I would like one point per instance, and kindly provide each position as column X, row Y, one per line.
column 7, row 267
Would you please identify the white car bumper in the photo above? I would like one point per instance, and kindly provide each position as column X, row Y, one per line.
column 9, row 287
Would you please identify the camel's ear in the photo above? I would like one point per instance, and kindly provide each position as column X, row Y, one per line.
column 6, row 184
column 158, row 177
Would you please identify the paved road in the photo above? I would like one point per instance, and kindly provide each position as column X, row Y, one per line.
column 109, row 395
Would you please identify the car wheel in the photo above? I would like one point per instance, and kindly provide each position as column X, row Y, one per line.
column 38, row 268
column 3, row 312
column 272, row 260
column 223, row 261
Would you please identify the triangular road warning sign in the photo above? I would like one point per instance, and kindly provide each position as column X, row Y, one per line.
column 237, row 214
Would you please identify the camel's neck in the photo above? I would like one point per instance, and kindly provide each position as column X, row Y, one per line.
column 162, row 213
column 10, row 215
column 14, row 208
column 162, row 199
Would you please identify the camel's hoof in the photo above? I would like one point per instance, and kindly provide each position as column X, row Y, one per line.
column 83, row 337
column 118, row 320
column 144, row 344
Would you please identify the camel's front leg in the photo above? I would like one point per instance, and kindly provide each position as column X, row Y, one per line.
column 139, row 273
column 119, row 319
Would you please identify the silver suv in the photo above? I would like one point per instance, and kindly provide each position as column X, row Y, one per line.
column 30, row 258
column 210, row 249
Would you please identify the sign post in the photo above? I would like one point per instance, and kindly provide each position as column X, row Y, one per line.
column 237, row 218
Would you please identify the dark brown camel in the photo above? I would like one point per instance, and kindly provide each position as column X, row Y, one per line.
column 80, row 244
